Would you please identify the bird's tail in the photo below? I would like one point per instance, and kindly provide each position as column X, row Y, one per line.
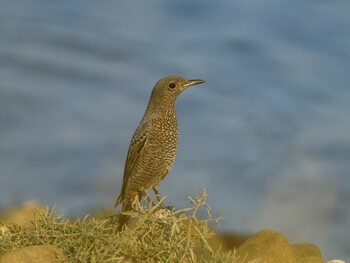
column 119, row 200
column 123, row 219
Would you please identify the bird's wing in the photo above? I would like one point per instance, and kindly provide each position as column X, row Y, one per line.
column 137, row 144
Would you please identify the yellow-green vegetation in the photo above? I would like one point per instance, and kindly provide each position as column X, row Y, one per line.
column 153, row 235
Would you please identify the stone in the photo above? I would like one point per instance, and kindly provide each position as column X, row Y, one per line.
column 34, row 254
column 229, row 240
column 267, row 246
column 23, row 214
column 307, row 253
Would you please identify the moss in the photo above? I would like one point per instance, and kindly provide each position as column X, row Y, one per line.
column 153, row 235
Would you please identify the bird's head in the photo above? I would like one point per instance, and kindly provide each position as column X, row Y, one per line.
column 167, row 89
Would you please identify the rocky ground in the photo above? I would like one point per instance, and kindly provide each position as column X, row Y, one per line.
column 265, row 246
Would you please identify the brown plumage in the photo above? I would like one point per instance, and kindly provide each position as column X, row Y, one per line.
column 153, row 147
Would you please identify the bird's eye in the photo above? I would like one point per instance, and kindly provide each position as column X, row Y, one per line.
column 172, row 85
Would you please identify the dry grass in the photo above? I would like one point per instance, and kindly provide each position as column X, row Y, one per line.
column 154, row 235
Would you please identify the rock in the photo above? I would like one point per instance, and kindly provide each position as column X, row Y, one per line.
column 336, row 261
column 230, row 240
column 307, row 253
column 22, row 214
column 34, row 254
column 272, row 247
column 226, row 241
column 103, row 214
column 268, row 246
column 4, row 230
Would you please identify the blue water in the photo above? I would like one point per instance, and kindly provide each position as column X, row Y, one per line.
column 268, row 134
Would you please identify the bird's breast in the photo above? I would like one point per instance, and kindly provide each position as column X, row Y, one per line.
column 165, row 135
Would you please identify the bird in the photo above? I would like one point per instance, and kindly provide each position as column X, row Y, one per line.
column 153, row 147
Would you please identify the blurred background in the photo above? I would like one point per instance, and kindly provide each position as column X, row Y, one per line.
column 268, row 134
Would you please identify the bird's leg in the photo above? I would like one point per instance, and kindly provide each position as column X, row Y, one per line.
column 155, row 190
column 148, row 198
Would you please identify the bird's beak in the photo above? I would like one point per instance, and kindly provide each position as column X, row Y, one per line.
column 193, row 82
